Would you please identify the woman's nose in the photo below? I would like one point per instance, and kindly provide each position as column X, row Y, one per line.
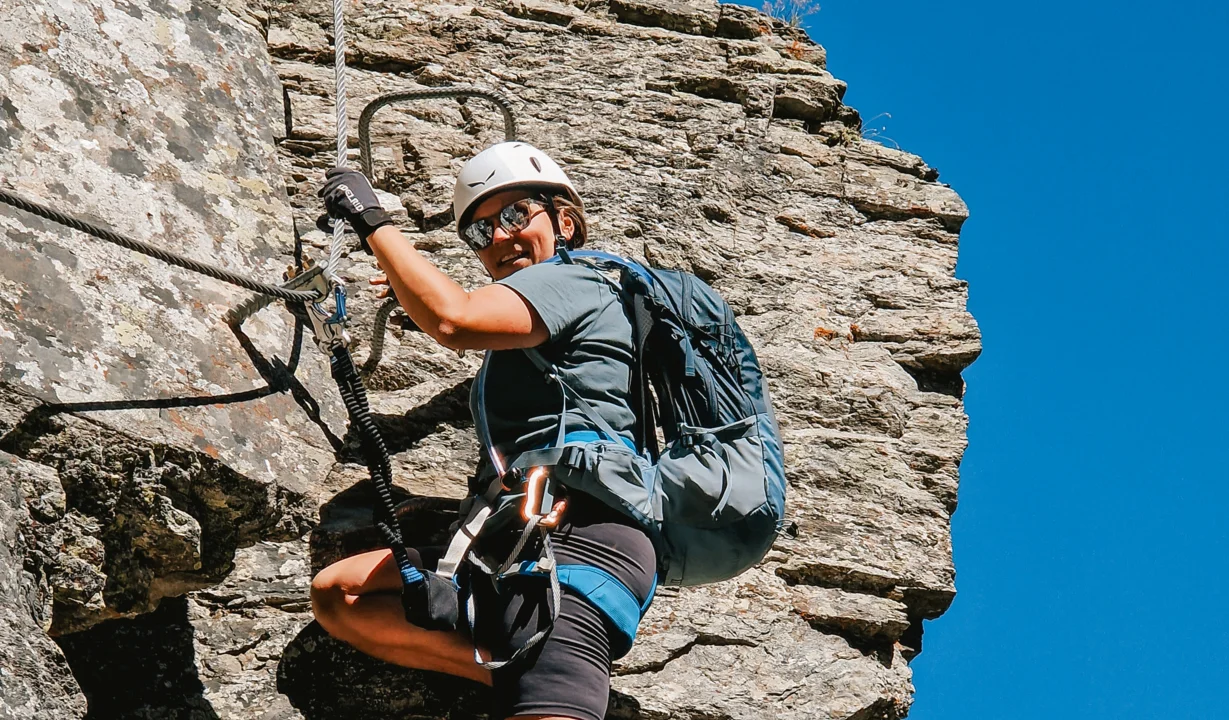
column 500, row 234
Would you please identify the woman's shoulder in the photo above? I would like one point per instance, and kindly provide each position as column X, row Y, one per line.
column 558, row 272
column 565, row 296
column 577, row 286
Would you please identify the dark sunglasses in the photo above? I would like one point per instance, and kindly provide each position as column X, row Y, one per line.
column 513, row 217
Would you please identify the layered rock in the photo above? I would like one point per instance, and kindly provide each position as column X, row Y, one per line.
column 702, row 136
column 35, row 681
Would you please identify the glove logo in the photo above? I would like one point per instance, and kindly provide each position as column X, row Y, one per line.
column 358, row 206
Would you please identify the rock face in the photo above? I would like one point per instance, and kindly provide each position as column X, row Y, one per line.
column 160, row 474
column 36, row 679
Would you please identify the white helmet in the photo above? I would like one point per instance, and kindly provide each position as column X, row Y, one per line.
column 504, row 166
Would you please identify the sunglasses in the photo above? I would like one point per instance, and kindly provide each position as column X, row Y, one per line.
column 513, row 217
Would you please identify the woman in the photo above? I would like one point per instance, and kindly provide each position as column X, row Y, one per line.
column 512, row 204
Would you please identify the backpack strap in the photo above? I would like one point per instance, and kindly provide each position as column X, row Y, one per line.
column 481, row 426
column 591, row 414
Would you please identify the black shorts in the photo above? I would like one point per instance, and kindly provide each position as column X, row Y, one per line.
column 568, row 673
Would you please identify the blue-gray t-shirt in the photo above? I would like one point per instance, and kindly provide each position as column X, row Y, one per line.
column 590, row 343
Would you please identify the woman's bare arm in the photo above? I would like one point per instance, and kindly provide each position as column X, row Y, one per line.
column 493, row 317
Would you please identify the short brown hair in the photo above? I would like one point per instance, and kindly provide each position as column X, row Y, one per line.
column 565, row 207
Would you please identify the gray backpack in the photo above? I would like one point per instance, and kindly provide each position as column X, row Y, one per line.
column 712, row 498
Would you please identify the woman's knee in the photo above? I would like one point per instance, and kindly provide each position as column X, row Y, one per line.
column 328, row 597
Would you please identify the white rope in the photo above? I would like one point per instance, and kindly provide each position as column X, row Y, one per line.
column 343, row 131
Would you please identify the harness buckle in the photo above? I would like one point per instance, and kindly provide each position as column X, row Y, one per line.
column 573, row 456
column 511, row 479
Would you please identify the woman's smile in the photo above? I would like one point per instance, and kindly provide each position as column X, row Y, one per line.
column 511, row 256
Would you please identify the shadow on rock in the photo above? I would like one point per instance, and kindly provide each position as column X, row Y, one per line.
column 326, row 679
column 347, row 527
column 143, row 667
column 403, row 431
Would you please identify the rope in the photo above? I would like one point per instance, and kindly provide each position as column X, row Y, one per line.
column 343, row 131
column 354, row 397
column 153, row 251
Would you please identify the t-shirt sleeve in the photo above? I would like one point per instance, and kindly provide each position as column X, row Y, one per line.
column 564, row 296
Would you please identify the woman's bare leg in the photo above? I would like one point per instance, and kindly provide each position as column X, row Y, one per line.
column 358, row 600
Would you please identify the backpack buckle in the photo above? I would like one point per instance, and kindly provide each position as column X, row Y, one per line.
column 573, row 456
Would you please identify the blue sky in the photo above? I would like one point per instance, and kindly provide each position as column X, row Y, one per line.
column 1088, row 139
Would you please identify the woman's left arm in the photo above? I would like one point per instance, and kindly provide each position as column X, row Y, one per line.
column 493, row 317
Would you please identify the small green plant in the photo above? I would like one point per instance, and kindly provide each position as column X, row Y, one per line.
column 791, row 12
column 843, row 135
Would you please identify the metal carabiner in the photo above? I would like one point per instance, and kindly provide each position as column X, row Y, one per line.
column 538, row 497
column 329, row 326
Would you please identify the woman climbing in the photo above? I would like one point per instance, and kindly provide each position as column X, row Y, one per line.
column 513, row 205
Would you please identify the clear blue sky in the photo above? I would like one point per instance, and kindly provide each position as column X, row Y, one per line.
column 1089, row 140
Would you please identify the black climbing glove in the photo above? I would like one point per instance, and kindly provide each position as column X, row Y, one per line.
column 349, row 196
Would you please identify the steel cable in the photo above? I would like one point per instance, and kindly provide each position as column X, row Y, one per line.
column 343, row 131
column 379, row 327
column 154, row 251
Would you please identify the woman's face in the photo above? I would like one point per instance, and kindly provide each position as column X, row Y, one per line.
column 517, row 250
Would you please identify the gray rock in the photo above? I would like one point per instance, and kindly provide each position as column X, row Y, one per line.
column 144, row 520
column 156, row 120
column 703, row 136
column 35, row 681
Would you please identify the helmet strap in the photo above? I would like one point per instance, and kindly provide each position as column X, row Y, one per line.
column 561, row 243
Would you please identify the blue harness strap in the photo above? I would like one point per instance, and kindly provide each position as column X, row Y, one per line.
column 603, row 590
column 606, row 592
column 613, row 598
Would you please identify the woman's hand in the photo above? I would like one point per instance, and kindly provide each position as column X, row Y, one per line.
column 348, row 196
column 381, row 280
